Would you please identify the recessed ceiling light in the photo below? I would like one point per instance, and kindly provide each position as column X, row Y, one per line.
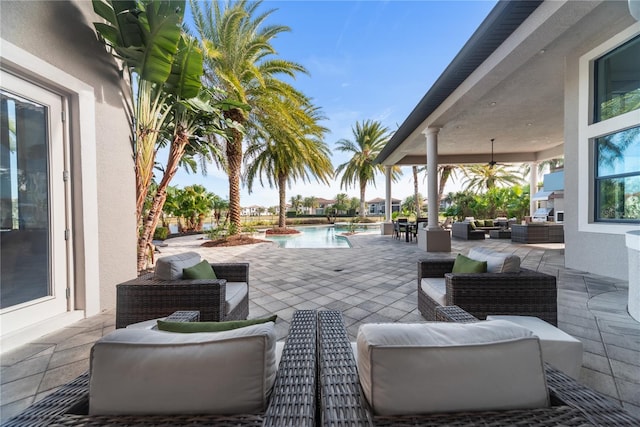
column 493, row 104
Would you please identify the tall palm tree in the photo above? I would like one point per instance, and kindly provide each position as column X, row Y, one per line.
column 369, row 137
column 311, row 203
column 239, row 58
column 480, row 178
column 289, row 148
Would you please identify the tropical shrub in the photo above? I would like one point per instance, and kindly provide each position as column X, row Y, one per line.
column 161, row 233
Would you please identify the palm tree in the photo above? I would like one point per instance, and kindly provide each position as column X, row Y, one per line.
column 288, row 148
column 481, row 178
column 310, row 203
column 238, row 59
column 369, row 137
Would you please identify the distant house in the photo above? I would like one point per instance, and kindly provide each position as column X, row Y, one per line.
column 377, row 206
column 323, row 205
column 253, row 210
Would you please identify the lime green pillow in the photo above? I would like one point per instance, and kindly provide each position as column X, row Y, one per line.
column 465, row 264
column 488, row 223
column 473, row 225
column 479, row 222
column 190, row 327
column 201, row 270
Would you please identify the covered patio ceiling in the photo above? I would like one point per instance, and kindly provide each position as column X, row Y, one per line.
column 507, row 83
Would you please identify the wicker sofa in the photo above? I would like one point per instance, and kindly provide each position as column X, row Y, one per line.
column 342, row 402
column 526, row 292
column 464, row 231
column 148, row 297
column 292, row 402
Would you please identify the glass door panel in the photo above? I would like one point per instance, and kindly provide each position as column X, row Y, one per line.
column 32, row 203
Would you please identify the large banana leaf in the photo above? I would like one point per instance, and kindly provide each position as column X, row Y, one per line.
column 184, row 80
column 144, row 34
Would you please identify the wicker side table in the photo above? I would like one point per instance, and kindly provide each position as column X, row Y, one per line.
column 453, row 313
column 184, row 316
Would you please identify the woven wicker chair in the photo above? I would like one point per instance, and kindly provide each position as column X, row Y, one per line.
column 146, row 297
column 292, row 402
column 525, row 293
column 342, row 402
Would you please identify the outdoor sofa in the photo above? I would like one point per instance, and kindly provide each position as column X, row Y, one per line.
column 465, row 231
column 163, row 292
column 342, row 401
column 292, row 401
column 505, row 289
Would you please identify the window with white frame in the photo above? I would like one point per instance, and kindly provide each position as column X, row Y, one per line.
column 616, row 152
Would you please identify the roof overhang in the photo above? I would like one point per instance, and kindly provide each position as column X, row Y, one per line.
column 507, row 83
column 542, row 195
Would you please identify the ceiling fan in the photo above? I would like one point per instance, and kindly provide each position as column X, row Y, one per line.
column 492, row 163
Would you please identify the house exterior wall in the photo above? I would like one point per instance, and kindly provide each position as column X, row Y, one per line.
column 596, row 249
column 104, row 229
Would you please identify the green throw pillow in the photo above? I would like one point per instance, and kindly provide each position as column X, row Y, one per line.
column 465, row 264
column 480, row 223
column 473, row 225
column 488, row 223
column 189, row 327
column 201, row 270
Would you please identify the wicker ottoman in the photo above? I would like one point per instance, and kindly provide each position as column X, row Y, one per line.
column 500, row 234
column 559, row 349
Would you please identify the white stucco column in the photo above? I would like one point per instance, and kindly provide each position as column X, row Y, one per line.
column 432, row 176
column 386, row 228
column 387, row 202
column 533, row 186
column 433, row 238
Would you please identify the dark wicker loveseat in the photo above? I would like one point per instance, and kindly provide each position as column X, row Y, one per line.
column 292, row 402
column 146, row 297
column 525, row 293
column 342, row 402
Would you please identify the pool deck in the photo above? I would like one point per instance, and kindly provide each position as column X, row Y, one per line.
column 374, row 281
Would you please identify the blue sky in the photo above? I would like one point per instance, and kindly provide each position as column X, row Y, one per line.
column 366, row 59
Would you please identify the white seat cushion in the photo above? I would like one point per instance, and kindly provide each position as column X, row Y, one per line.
column 170, row 267
column 435, row 288
column 497, row 262
column 422, row 368
column 145, row 371
column 559, row 349
column 236, row 291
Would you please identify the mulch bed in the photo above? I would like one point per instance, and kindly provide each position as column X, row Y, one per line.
column 279, row 230
column 236, row 240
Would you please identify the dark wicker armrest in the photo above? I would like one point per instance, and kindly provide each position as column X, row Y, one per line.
column 232, row 272
column 526, row 293
column 293, row 400
column 599, row 409
column 147, row 298
column 341, row 400
column 434, row 268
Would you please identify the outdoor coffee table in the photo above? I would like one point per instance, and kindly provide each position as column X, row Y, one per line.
column 499, row 234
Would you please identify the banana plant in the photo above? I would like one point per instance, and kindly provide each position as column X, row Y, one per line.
column 164, row 68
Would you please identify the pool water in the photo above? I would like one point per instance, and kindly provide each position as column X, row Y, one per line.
column 312, row 237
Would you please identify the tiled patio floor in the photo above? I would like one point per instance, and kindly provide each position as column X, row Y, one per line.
column 375, row 281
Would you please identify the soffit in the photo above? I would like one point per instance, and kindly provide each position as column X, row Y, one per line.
column 515, row 96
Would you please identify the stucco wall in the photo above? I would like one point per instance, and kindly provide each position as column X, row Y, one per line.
column 598, row 253
column 61, row 33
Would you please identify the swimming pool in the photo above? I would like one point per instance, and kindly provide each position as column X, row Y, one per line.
column 312, row 237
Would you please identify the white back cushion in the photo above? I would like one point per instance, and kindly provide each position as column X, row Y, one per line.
column 497, row 262
column 170, row 267
column 144, row 371
column 435, row 288
column 448, row 367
